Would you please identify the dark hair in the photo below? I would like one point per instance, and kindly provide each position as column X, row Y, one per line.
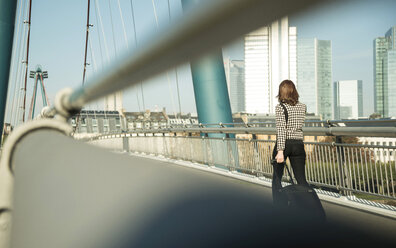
column 287, row 92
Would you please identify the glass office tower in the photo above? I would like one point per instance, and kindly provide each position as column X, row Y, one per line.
column 306, row 73
column 390, row 82
column 314, row 76
column 390, row 35
column 348, row 99
column 380, row 89
column 270, row 58
column 384, row 84
column 235, row 75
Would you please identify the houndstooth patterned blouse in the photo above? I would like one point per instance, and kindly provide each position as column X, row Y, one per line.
column 293, row 129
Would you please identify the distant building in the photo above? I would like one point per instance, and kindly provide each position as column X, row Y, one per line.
column 348, row 99
column 379, row 154
column 235, row 75
column 113, row 102
column 384, row 73
column 390, row 81
column 270, row 58
column 391, row 36
column 314, row 75
column 145, row 120
column 184, row 119
column 102, row 122
column 95, row 122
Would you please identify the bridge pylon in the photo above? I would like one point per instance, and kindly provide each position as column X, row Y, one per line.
column 39, row 75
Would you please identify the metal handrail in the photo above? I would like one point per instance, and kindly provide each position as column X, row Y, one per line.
column 328, row 123
column 308, row 131
column 366, row 122
column 334, row 144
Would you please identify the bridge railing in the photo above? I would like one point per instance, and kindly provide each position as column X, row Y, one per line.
column 350, row 169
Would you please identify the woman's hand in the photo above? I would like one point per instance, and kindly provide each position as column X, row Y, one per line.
column 280, row 157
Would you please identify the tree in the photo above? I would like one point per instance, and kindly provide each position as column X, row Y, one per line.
column 375, row 116
column 345, row 140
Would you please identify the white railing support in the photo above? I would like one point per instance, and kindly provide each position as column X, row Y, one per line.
column 6, row 168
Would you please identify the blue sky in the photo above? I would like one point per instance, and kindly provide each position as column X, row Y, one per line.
column 58, row 40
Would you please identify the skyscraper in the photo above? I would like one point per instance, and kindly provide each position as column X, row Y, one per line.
column 235, row 75
column 348, row 99
column 270, row 58
column 314, row 75
column 390, row 81
column 380, row 90
column 391, row 36
column 384, row 78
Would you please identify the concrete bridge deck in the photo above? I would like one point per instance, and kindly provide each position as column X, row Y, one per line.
column 95, row 198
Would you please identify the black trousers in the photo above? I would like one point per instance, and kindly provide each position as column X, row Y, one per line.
column 294, row 150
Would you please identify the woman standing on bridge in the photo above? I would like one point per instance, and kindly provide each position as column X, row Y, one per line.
column 290, row 117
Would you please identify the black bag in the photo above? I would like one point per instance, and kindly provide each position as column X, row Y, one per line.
column 302, row 198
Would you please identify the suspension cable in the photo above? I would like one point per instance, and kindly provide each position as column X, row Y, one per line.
column 92, row 55
column 176, row 74
column 11, row 92
column 99, row 39
column 137, row 99
column 101, row 25
column 141, row 88
column 136, row 42
column 135, row 36
column 27, row 59
column 20, row 62
column 123, row 25
column 155, row 13
column 115, row 50
column 112, row 30
column 134, row 25
column 15, row 66
column 20, row 80
column 167, row 73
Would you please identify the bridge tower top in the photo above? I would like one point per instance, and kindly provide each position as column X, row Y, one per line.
column 38, row 75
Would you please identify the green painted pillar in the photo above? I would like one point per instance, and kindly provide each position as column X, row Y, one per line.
column 7, row 23
column 212, row 101
column 210, row 89
column 210, row 86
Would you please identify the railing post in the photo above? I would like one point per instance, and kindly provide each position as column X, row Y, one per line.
column 125, row 143
column 209, row 155
column 341, row 163
column 191, row 145
column 256, row 157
